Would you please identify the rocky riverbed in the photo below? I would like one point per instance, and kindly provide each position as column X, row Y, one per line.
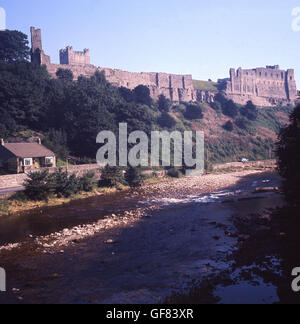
column 144, row 246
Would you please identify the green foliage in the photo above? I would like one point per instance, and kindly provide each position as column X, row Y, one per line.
column 250, row 111
column 230, row 109
column 87, row 182
column 142, row 95
column 164, row 104
column 205, row 85
column 24, row 97
column 217, row 106
column 174, row 173
column 64, row 185
column 166, row 120
column 111, row 176
column 65, row 75
column 242, row 123
column 56, row 141
column 193, row 111
column 41, row 185
column 228, row 126
column 134, row 177
column 126, row 94
column 13, row 47
column 288, row 156
column 38, row 186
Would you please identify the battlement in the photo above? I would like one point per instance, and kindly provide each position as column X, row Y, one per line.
column 264, row 86
column 269, row 86
column 70, row 57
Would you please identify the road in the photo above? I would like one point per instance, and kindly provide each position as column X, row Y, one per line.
column 11, row 190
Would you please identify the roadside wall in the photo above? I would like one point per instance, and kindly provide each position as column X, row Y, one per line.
column 259, row 164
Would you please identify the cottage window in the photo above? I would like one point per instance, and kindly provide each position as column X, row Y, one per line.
column 27, row 162
column 49, row 160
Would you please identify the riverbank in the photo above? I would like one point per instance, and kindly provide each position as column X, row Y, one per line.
column 16, row 205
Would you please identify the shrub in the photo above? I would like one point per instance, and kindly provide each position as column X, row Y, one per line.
column 250, row 111
column 164, row 104
column 217, row 106
column 37, row 186
column 228, row 126
column 242, row 123
column 230, row 109
column 174, row 173
column 142, row 95
column 166, row 120
column 64, row 185
column 193, row 111
column 134, row 177
column 111, row 176
column 87, row 182
column 288, row 157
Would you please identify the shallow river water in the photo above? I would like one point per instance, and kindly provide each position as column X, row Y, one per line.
column 162, row 258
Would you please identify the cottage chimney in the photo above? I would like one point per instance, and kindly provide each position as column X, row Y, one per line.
column 39, row 141
column 2, row 142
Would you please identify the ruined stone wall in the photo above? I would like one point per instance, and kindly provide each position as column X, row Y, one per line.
column 37, row 54
column 268, row 86
column 175, row 87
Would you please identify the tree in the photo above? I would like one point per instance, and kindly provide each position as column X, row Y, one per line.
column 242, row 123
column 126, row 94
column 111, row 176
column 193, row 111
column 56, row 141
column 166, row 120
column 164, row 104
column 134, row 177
column 228, row 126
column 230, row 109
column 25, row 93
column 288, row 156
column 13, row 47
column 250, row 111
column 142, row 95
column 65, row 75
column 87, row 182
column 37, row 186
column 217, row 106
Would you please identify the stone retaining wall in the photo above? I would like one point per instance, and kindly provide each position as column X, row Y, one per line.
column 232, row 165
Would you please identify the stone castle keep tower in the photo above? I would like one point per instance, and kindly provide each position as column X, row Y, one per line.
column 70, row 57
column 265, row 87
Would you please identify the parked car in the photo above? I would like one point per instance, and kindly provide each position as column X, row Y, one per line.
column 244, row 160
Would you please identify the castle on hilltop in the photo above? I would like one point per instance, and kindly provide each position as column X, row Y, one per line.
column 268, row 86
column 265, row 87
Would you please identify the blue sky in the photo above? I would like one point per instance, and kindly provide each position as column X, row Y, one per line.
column 202, row 38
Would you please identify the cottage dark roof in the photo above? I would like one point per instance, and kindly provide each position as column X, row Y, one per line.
column 28, row 150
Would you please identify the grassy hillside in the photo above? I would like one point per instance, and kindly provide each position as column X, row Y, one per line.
column 205, row 85
column 257, row 142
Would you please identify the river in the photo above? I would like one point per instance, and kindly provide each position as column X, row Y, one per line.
column 183, row 251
